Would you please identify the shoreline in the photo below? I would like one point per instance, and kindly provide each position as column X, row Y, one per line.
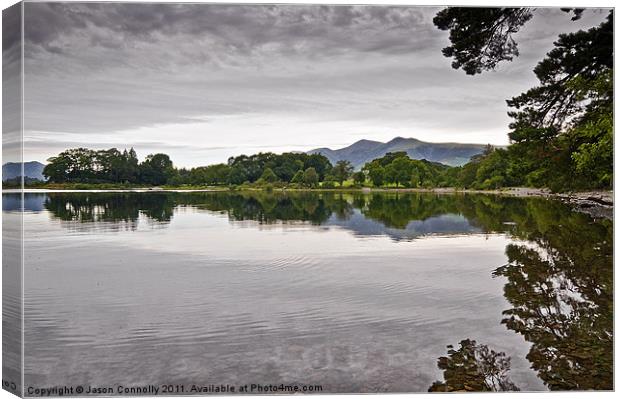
column 596, row 203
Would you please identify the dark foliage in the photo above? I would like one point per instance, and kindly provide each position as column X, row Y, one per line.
column 397, row 169
column 481, row 37
column 562, row 129
column 474, row 367
column 83, row 165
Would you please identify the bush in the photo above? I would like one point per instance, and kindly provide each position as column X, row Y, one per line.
column 493, row 183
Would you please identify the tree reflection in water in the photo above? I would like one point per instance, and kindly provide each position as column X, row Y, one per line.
column 561, row 291
column 110, row 207
column 559, row 275
column 560, row 286
column 473, row 367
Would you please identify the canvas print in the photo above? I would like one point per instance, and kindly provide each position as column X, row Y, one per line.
column 223, row 199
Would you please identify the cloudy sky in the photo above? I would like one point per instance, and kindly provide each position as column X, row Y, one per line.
column 204, row 82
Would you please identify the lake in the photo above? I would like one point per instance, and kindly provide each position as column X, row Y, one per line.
column 353, row 292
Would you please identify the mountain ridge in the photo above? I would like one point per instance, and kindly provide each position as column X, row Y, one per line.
column 32, row 169
column 362, row 151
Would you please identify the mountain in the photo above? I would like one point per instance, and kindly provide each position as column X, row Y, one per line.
column 32, row 169
column 360, row 152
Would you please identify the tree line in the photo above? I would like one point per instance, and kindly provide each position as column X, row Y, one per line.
column 299, row 169
column 83, row 165
column 494, row 168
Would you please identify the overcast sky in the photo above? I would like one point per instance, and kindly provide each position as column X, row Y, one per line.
column 204, row 82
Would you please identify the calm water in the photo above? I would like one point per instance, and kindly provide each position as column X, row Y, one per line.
column 357, row 293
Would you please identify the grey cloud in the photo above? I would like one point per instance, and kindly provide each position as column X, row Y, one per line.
column 11, row 26
column 242, row 29
column 11, row 38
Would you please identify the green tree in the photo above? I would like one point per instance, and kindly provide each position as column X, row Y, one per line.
column 389, row 173
column 128, row 167
column 311, row 178
column 376, row 174
column 82, row 165
column 402, row 168
column 319, row 162
column 298, row 178
column 594, row 156
column 359, row 178
column 237, row 175
column 268, row 176
column 72, row 165
column 481, row 37
column 131, row 173
column 560, row 128
column 559, row 122
column 285, row 166
column 156, row 169
column 397, row 168
column 329, row 181
column 342, row 170
column 492, row 170
column 212, row 175
column 58, row 168
column 415, row 180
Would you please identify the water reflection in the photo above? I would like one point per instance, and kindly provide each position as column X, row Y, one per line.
column 474, row 367
column 557, row 283
column 561, row 288
column 110, row 207
column 560, row 284
column 398, row 215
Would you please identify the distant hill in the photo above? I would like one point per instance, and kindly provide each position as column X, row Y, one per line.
column 32, row 169
column 360, row 152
